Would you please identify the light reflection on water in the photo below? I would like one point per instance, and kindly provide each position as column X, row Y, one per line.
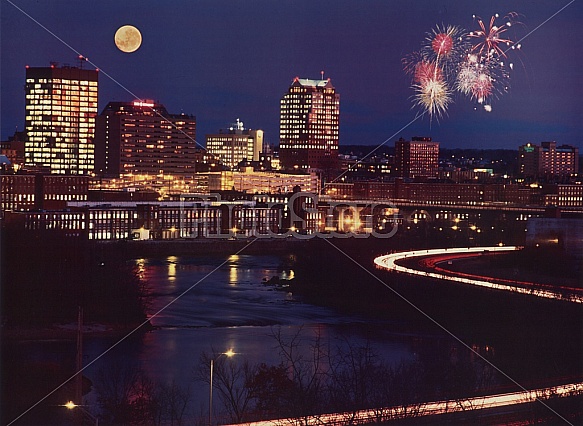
column 230, row 309
column 234, row 309
column 172, row 260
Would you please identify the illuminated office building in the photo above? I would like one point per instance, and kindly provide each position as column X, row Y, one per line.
column 308, row 135
column 548, row 160
column 417, row 158
column 142, row 138
column 232, row 146
column 61, row 106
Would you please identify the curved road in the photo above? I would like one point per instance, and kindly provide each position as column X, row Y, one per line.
column 435, row 256
column 390, row 262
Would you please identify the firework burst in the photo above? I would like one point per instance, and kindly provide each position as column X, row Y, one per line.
column 425, row 71
column 467, row 74
column 433, row 95
column 451, row 59
column 490, row 39
column 481, row 78
column 444, row 46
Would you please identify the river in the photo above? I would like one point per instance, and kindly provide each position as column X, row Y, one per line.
column 212, row 304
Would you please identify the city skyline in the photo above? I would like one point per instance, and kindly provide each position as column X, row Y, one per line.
column 218, row 60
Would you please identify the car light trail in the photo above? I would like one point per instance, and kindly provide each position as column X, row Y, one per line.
column 431, row 408
column 390, row 262
column 384, row 414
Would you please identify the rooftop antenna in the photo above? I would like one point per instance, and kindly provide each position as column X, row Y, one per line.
column 322, row 72
column 82, row 59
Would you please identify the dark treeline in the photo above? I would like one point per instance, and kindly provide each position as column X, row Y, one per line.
column 45, row 279
column 47, row 276
column 314, row 375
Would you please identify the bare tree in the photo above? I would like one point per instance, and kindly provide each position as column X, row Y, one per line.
column 125, row 394
column 172, row 403
column 270, row 389
column 306, row 369
column 230, row 378
column 358, row 379
column 128, row 396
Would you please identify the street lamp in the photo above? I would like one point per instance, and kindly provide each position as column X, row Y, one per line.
column 71, row 405
column 229, row 354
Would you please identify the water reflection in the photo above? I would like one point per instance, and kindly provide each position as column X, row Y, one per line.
column 141, row 268
column 230, row 308
column 233, row 269
column 172, row 260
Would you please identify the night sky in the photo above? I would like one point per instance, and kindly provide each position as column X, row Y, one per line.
column 222, row 60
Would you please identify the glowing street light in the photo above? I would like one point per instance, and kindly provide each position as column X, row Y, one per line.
column 71, row 406
column 228, row 354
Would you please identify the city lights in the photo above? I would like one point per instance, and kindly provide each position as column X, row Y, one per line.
column 218, row 219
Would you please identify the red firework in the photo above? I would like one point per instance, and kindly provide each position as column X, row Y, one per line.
column 442, row 44
column 427, row 71
column 482, row 87
column 490, row 38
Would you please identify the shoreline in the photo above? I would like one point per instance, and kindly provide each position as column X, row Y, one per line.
column 67, row 332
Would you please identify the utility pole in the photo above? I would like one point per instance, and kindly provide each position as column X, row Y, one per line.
column 79, row 364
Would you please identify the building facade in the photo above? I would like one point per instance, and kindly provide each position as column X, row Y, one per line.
column 25, row 192
column 13, row 149
column 309, row 125
column 142, row 138
column 418, row 158
column 61, row 106
column 548, row 160
column 570, row 196
column 232, row 146
column 253, row 182
column 455, row 194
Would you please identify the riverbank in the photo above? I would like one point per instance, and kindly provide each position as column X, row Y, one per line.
column 127, row 249
column 68, row 332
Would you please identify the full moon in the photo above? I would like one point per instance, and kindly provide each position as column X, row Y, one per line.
column 128, row 38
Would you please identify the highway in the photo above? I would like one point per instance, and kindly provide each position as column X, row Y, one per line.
column 431, row 408
column 390, row 262
column 434, row 257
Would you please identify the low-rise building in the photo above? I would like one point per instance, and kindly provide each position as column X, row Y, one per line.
column 24, row 192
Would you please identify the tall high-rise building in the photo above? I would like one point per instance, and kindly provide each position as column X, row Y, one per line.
column 548, row 160
column 418, row 158
column 142, row 138
column 309, row 123
column 528, row 160
column 61, row 106
column 235, row 144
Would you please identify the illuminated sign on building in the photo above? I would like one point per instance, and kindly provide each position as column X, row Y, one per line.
column 144, row 104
